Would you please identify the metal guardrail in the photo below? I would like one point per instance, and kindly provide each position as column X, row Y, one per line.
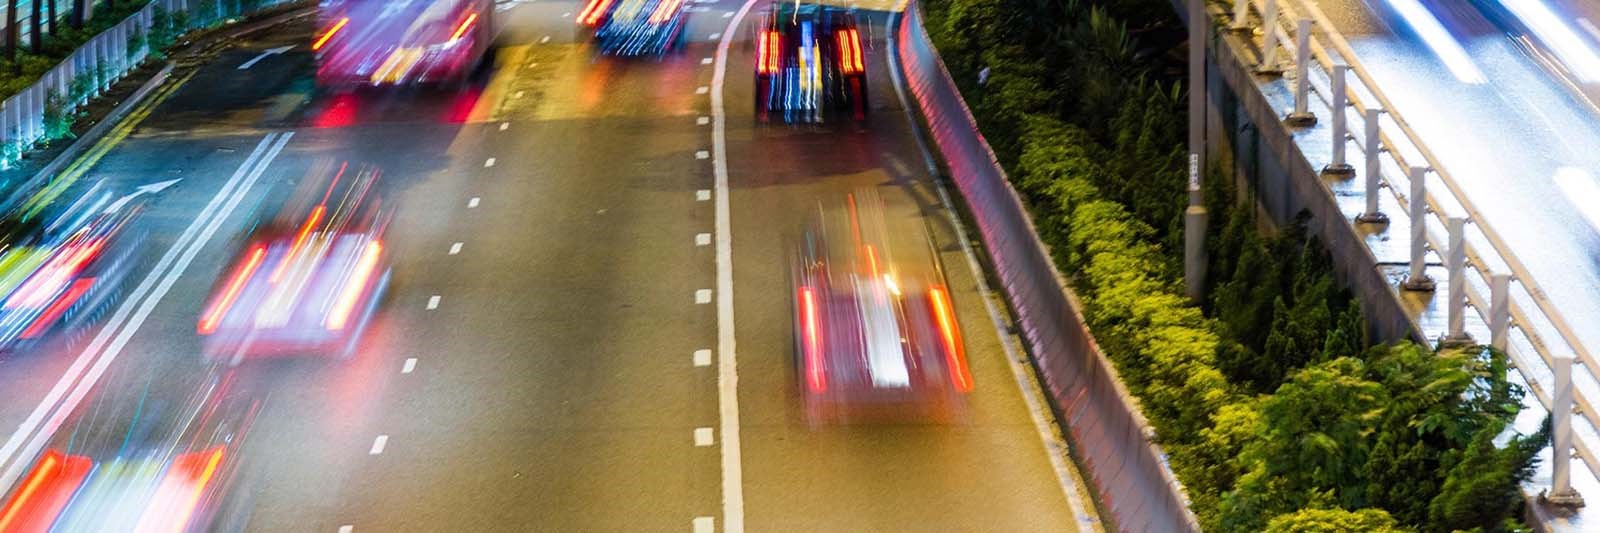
column 100, row 62
column 1111, row 438
column 1507, row 308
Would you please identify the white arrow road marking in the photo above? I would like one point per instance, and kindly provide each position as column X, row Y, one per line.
column 268, row 53
column 143, row 189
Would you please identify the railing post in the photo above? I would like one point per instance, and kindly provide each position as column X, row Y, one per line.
column 1302, row 116
column 1561, row 492
column 1241, row 15
column 1341, row 128
column 1269, row 43
column 1456, row 263
column 1499, row 310
column 1416, row 204
column 1374, row 168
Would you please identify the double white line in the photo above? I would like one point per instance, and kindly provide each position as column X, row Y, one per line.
column 30, row 437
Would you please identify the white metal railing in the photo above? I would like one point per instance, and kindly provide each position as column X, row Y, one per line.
column 1315, row 38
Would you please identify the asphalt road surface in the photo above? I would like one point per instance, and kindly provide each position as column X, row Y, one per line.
column 533, row 365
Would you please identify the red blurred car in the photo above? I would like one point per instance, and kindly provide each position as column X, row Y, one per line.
column 400, row 42
column 309, row 281
column 875, row 329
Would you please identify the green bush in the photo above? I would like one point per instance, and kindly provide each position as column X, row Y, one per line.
column 1274, row 411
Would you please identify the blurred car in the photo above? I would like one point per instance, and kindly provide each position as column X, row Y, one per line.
column 639, row 27
column 108, row 477
column 809, row 64
column 875, row 329
column 58, row 276
column 400, row 42
column 306, row 282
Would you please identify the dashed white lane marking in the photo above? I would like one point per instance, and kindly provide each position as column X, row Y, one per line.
column 727, row 14
column 411, row 364
column 566, row 14
column 472, row 203
column 347, row 529
column 533, row 64
column 455, row 248
column 702, row 121
column 702, row 89
column 702, row 437
column 505, row 126
column 378, row 445
column 702, row 195
column 702, row 358
column 706, row 61
column 702, row 296
column 702, row 239
column 702, row 154
column 544, row 39
column 489, row 162
column 519, row 94
column 433, row 302
column 727, row 353
column 704, row 524
column 715, row 36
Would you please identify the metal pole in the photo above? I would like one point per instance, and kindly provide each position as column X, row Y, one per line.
column 1241, row 15
column 1302, row 116
column 1561, row 491
column 1456, row 262
column 1417, row 279
column 1195, row 217
column 1499, row 310
column 1269, row 43
column 1341, row 129
column 1374, row 169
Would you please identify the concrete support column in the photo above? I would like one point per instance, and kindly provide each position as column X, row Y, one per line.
column 1561, row 492
column 1302, row 116
column 1499, row 310
column 1456, row 263
column 1417, row 206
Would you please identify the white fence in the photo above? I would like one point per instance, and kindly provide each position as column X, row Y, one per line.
column 1485, row 276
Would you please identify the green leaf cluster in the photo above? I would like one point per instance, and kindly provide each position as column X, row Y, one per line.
column 1275, row 410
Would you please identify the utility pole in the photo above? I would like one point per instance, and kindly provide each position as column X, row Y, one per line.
column 1194, row 218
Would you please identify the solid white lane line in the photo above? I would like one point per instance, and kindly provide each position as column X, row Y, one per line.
column 702, row 195
column 472, row 203
column 702, row 437
column 702, row 154
column 702, row 239
column 702, row 357
column 702, row 89
column 702, row 121
column 455, row 248
column 161, row 278
column 378, row 445
column 702, row 296
column 505, row 126
column 433, row 302
column 411, row 364
column 1043, row 420
column 489, row 163
column 727, row 363
column 704, row 524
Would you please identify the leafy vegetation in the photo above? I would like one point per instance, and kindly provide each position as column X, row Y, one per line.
column 1276, row 411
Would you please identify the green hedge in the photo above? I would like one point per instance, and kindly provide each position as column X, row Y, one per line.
column 1274, row 409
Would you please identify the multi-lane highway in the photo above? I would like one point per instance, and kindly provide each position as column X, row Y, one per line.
column 573, row 338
